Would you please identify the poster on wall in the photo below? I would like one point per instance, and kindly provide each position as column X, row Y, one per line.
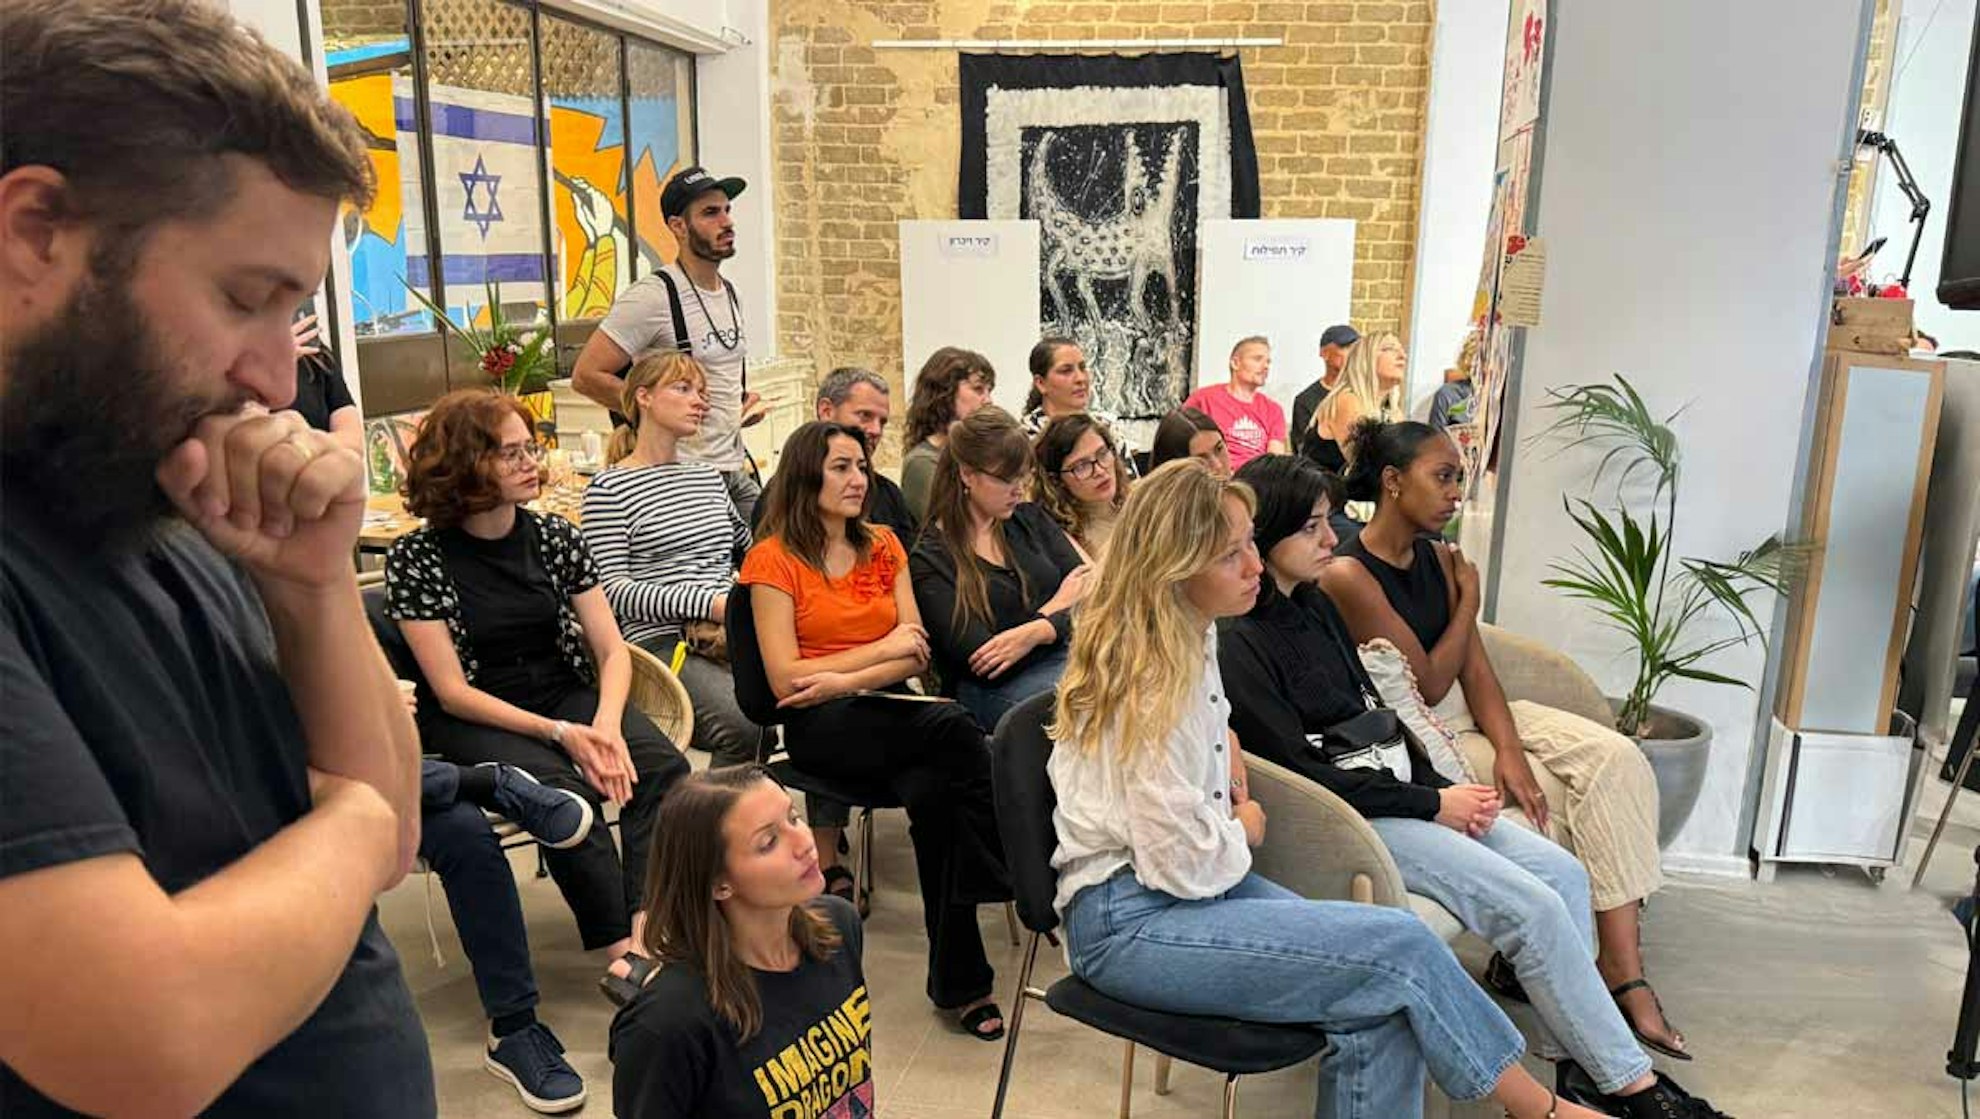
column 1505, row 235
column 1526, row 40
column 1117, row 159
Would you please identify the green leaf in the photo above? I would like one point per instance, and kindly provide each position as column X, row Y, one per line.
column 1709, row 677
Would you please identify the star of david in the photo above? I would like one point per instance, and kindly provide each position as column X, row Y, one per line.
column 492, row 213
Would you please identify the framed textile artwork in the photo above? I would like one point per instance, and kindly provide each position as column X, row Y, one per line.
column 1117, row 159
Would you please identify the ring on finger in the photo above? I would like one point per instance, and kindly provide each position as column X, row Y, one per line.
column 296, row 441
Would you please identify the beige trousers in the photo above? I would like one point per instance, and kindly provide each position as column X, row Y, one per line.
column 1601, row 792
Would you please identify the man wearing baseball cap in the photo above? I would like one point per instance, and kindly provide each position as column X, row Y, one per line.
column 1334, row 343
column 688, row 306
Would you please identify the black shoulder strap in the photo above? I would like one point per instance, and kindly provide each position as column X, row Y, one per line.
column 736, row 306
column 674, row 309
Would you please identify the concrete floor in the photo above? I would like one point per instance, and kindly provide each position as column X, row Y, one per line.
column 1821, row 996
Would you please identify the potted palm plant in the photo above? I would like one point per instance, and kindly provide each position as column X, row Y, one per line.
column 1662, row 603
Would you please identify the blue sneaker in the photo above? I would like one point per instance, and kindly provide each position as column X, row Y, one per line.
column 532, row 1059
column 556, row 818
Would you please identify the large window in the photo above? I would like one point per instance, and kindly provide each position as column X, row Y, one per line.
column 519, row 150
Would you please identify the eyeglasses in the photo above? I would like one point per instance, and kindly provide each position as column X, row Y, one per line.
column 515, row 456
column 1092, row 466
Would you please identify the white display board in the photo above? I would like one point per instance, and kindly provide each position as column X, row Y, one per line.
column 972, row 284
column 1285, row 278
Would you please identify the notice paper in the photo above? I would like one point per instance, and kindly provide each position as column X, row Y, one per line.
column 1521, row 282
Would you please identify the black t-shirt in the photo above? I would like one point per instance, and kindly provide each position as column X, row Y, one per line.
column 320, row 390
column 509, row 607
column 144, row 712
column 1035, row 545
column 673, row 1058
column 889, row 507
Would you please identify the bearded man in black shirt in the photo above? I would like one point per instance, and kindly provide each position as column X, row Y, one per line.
column 206, row 769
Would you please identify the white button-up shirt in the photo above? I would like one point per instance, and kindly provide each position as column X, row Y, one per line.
column 1166, row 813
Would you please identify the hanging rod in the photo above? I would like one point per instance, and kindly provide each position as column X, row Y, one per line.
column 1066, row 44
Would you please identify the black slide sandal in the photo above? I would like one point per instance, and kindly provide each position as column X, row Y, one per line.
column 622, row 989
column 972, row 1023
column 1621, row 989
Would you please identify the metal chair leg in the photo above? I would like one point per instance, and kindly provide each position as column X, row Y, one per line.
column 1163, row 1062
column 863, row 863
column 1127, row 1082
column 1958, row 783
column 1025, row 993
column 1230, row 1096
column 1011, row 922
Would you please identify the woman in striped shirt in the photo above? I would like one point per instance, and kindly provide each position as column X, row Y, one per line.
column 667, row 539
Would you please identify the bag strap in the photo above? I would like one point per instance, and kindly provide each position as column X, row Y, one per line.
column 674, row 309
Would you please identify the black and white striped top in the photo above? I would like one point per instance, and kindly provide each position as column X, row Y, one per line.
column 666, row 540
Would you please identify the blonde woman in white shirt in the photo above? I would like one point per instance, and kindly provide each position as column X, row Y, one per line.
column 1155, row 834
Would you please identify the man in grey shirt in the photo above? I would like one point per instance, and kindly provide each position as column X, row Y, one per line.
column 687, row 302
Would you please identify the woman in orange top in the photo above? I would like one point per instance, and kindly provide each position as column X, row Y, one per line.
column 835, row 615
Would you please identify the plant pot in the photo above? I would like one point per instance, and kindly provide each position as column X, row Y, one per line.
column 1678, row 747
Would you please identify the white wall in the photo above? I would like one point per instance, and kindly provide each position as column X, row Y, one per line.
column 1690, row 202
column 1922, row 115
column 732, row 106
column 1460, row 147
column 277, row 22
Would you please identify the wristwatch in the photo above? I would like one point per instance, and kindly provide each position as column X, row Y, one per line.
column 557, row 729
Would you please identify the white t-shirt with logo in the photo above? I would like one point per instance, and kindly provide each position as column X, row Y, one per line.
column 641, row 323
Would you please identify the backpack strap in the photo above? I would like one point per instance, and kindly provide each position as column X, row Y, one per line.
column 674, row 309
column 736, row 304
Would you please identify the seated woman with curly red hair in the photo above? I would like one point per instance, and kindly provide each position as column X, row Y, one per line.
column 502, row 609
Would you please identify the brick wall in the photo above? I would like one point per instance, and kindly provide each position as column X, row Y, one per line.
column 347, row 21
column 867, row 138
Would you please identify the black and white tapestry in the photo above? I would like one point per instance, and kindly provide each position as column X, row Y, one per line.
column 1117, row 159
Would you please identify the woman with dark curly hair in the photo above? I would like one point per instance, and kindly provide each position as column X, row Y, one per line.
column 840, row 636
column 502, row 608
column 1082, row 480
column 953, row 383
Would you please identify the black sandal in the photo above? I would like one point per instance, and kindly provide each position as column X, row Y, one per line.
column 1501, row 980
column 972, row 1023
column 1618, row 991
column 622, row 989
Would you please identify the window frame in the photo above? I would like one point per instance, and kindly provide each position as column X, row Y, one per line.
column 377, row 381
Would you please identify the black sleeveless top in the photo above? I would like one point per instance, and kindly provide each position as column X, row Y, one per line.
column 1419, row 594
column 1322, row 452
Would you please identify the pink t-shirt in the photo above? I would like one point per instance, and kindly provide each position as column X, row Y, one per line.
column 1247, row 428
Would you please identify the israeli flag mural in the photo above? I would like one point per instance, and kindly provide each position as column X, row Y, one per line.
column 488, row 194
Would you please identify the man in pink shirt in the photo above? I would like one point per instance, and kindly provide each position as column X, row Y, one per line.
column 1253, row 423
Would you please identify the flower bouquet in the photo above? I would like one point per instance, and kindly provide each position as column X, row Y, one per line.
column 519, row 361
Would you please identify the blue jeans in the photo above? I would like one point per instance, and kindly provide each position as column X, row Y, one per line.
column 1389, row 994
column 1528, row 897
column 989, row 699
column 460, row 847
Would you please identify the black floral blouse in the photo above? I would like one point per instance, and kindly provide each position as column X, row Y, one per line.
column 418, row 588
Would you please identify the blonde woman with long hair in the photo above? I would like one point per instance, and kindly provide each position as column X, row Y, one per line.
column 1370, row 385
column 1155, row 831
column 667, row 540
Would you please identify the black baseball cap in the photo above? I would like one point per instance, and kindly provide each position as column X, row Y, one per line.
column 691, row 184
column 1342, row 335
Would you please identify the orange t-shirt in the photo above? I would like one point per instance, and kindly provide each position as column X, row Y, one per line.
column 833, row 615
